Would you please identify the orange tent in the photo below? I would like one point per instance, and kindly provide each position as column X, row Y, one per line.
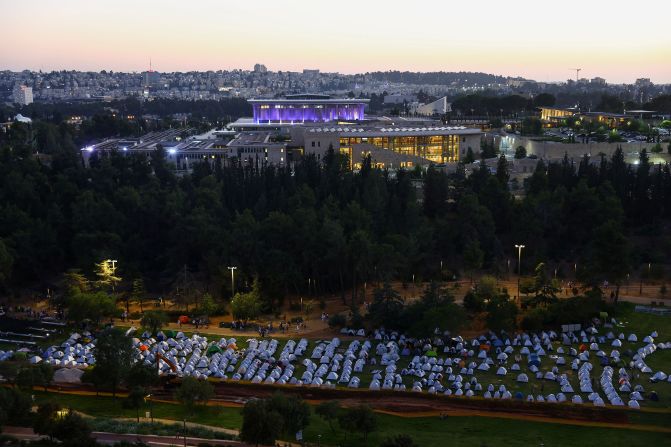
column 143, row 347
column 582, row 348
column 183, row 319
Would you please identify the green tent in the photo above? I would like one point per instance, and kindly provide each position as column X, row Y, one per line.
column 431, row 354
column 213, row 349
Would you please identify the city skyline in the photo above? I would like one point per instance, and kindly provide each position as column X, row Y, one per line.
column 348, row 38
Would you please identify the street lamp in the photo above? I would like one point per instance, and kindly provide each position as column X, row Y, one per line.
column 232, row 269
column 110, row 266
column 519, row 258
column 519, row 269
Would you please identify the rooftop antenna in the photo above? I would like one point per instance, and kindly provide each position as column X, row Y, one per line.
column 150, row 70
column 577, row 73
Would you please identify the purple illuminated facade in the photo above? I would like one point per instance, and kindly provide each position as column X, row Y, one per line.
column 307, row 110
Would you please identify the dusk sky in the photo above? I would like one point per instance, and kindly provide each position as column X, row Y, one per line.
column 538, row 40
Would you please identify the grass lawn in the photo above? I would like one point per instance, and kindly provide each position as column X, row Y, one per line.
column 427, row 432
column 108, row 407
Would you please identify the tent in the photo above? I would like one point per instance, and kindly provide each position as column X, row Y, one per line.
column 213, row 349
column 183, row 319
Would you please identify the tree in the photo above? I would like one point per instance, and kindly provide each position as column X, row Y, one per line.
column 520, row 152
column 295, row 412
column 154, row 320
column 74, row 283
column 114, row 355
column 193, row 392
column 106, row 273
column 501, row 314
column 386, row 308
column 360, row 418
column 609, row 256
column 531, row 126
column 44, row 421
column 38, row 375
column 473, row 256
column 502, row 171
column 329, row 411
column 72, row 430
column 474, row 302
column 247, row 306
column 6, row 262
column 135, row 399
column 92, row 306
column 15, row 404
column 399, row 441
column 470, row 156
column 260, row 423
column 138, row 292
column 141, row 375
column 207, row 305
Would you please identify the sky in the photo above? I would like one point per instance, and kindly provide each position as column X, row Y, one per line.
column 542, row 40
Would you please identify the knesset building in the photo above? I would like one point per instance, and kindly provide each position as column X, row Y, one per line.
column 392, row 146
column 298, row 109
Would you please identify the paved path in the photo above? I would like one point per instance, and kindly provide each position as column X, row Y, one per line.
column 25, row 433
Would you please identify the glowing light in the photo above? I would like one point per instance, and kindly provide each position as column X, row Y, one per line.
column 172, row 151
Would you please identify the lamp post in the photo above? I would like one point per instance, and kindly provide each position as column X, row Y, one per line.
column 111, row 265
column 519, row 269
column 151, row 406
column 232, row 269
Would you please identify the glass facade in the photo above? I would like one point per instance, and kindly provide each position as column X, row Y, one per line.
column 435, row 148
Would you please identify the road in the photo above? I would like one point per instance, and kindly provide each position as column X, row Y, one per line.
column 24, row 433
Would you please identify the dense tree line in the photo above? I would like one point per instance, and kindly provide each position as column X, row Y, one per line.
column 480, row 104
column 317, row 227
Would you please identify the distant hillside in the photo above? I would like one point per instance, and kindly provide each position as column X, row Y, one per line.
column 438, row 77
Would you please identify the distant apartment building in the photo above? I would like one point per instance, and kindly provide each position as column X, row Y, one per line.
column 310, row 72
column 260, row 68
column 22, row 95
column 643, row 82
column 152, row 79
column 598, row 81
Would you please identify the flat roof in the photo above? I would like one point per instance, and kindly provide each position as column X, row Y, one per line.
column 397, row 131
column 309, row 101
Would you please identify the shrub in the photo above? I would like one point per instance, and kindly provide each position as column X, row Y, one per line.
column 337, row 321
column 473, row 302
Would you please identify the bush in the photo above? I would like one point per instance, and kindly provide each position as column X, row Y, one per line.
column 473, row 302
column 156, row 428
column 337, row 321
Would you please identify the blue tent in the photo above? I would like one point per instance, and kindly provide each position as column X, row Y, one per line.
column 534, row 360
